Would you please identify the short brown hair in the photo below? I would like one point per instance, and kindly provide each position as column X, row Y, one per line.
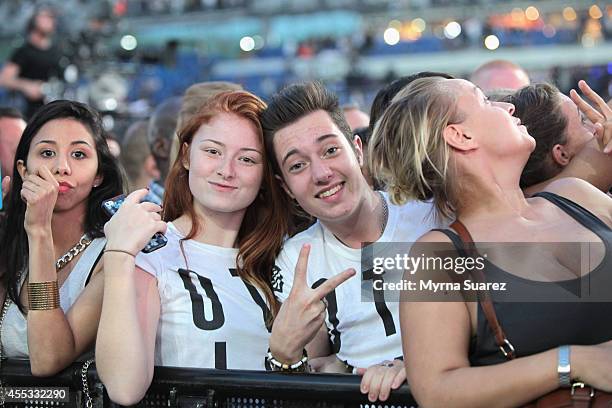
column 539, row 108
column 293, row 103
column 134, row 151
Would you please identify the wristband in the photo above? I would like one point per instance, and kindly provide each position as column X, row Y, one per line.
column 563, row 366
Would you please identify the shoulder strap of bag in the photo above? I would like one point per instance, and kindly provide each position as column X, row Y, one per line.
column 485, row 301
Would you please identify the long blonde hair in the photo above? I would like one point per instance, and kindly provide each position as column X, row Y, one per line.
column 408, row 151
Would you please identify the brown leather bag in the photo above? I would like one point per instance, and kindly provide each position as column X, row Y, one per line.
column 579, row 395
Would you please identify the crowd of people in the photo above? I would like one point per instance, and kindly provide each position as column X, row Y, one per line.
column 269, row 211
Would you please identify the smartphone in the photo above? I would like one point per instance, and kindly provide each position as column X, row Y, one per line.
column 111, row 206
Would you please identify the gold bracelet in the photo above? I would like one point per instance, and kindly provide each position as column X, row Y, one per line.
column 123, row 251
column 43, row 295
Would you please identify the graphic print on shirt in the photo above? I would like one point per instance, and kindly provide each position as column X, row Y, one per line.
column 217, row 319
column 379, row 301
column 332, row 315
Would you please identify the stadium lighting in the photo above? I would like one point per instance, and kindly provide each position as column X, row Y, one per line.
column 549, row 31
column 532, row 13
column 247, row 44
column 452, row 30
column 517, row 14
column 418, row 24
column 258, row 41
column 588, row 41
column 395, row 24
column 595, row 12
column 110, row 104
column 391, row 36
column 491, row 42
column 128, row 42
column 569, row 14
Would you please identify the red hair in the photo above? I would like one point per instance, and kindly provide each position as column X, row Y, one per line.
column 265, row 222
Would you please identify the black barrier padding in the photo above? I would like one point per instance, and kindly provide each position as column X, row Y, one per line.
column 204, row 388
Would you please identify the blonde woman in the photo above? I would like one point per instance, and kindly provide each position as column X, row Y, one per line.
column 442, row 139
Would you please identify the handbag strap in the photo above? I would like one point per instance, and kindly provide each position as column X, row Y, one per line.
column 485, row 301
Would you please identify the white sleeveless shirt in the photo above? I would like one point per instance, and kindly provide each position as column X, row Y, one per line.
column 14, row 330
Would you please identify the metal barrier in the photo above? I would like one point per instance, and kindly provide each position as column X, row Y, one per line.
column 206, row 388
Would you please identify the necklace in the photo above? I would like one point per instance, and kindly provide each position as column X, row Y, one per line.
column 72, row 252
column 385, row 214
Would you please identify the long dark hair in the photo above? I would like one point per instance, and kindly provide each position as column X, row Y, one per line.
column 13, row 237
column 264, row 225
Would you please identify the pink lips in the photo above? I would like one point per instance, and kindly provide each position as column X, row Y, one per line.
column 64, row 187
column 222, row 187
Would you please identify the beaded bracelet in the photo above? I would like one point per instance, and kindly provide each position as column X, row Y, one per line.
column 300, row 366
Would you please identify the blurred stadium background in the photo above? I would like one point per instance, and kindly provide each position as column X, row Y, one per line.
column 126, row 56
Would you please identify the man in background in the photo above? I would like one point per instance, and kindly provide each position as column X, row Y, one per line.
column 500, row 74
column 11, row 128
column 160, row 133
column 34, row 63
column 136, row 157
column 194, row 97
column 355, row 117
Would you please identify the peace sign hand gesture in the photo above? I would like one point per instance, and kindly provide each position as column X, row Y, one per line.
column 601, row 117
column 303, row 312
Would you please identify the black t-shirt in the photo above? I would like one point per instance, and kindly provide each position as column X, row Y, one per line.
column 38, row 65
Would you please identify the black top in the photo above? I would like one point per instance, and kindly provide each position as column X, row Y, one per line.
column 38, row 65
column 536, row 326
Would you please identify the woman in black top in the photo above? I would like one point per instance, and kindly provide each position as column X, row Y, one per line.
column 442, row 139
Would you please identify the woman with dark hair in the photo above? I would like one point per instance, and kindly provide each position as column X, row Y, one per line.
column 52, row 236
column 442, row 139
column 206, row 298
column 565, row 142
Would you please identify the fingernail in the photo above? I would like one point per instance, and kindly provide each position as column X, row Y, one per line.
column 371, row 397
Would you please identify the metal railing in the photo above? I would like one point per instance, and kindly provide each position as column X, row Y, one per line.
column 206, row 388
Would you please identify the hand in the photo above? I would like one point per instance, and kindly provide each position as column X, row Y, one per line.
column 591, row 365
column 378, row 380
column 601, row 117
column 39, row 191
column 33, row 90
column 6, row 183
column 302, row 313
column 133, row 224
column 327, row 364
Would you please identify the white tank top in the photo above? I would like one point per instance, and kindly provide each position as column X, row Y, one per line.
column 14, row 334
